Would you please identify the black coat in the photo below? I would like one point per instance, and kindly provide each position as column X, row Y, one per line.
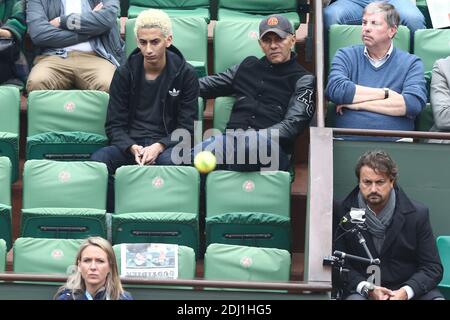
column 179, row 107
column 409, row 254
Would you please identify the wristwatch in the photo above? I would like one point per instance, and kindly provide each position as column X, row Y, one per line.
column 386, row 93
column 366, row 289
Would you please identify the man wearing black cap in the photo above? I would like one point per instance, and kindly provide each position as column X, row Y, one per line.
column 274, row 103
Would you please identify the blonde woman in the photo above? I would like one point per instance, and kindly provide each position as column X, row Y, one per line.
column 96, row 276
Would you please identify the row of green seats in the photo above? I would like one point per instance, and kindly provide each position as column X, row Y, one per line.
column 233, row 10
column 222, row 261
column 155, row 204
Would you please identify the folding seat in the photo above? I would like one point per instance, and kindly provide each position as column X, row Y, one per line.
column 234, row 262
column 256, row 10
column 443, row 244
column 156, row 204
column 190, row 36
column 186, row 259
column 248, row 208
column 64, row 199
column 2, row 255
column 341, row 36
column 5, row 200
column 37, row 255
column 431, row 45
column 9, row 126
column 66, row 124
column 174, row 8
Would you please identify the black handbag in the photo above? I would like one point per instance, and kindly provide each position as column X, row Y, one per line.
column 9, row 49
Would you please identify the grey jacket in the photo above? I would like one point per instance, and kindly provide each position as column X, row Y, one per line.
column 440, row 95
column 99, row 28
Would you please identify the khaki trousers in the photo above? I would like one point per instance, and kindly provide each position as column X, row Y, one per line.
column 80, row 70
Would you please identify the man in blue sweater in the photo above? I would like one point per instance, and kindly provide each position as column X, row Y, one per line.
column 377, row 86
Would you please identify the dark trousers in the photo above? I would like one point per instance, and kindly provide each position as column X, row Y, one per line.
column 6, row 70
column 114, row 158
column 433, row 294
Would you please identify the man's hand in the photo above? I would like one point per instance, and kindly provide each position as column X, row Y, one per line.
column 98, row 7
column 56, row 22
column 150, row 153
column 5, row 33
column 399, row 294
column 352, row 106
column 136, row 150
column 381, row 293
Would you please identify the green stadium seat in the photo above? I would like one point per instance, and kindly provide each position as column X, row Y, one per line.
column 341, row 36
column 190, row 36
column 174, row 8
column 186, row 260
column 9, row 126
column 35, row 255
column 431, row 45
column 157, row 204
column 64, row 199
column 5, row 201
column 242, row 263
column 423, row 169
column 66, row 124
column 443, row 244
column 241, row 209
column 425, row 119
column 244, row 37
column 256, row 10
column 2, row 255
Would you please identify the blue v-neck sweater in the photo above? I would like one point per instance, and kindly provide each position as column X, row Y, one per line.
column 402, row 72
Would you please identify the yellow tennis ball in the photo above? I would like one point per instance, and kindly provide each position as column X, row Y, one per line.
column 205, row 161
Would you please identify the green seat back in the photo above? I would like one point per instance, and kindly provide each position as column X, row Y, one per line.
column 431, row 45
column 186, row 261
column 425, row 119
column 5, row 201
column 443, row 244
column 423, row 169
column 244, row 37
column 35, row 255
column 156, row 204
column 67, row 110
column 5, row 181
column 341, row 36
column 56, row 184
column 66, row 124
column 9, row 126
column 241, row 208
column 256, row 10
column 174, row 8
column 190, row 36
column 2, row 255
column 230, row 191
column 156, row 189
column 222, row 111
column 233, row 262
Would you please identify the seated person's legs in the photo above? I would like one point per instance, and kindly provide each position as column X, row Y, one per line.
column 165, row 158
column 434, row 294
column 113, row 158
column 93, row 72
column 6, row 71
column 410, row 15
column 343, row 12
column 50, row 73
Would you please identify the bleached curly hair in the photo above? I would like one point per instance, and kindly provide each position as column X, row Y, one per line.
column 154, row 18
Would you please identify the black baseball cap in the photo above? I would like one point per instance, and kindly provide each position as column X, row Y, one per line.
column 276, row 23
